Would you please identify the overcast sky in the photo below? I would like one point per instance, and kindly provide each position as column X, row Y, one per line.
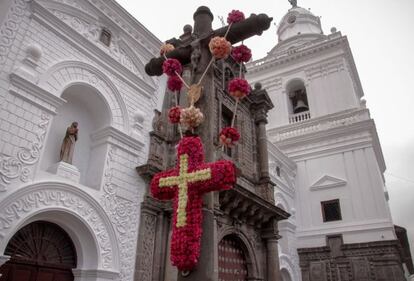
column 381, row 36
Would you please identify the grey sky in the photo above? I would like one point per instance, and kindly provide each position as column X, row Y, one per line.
column 381, row 36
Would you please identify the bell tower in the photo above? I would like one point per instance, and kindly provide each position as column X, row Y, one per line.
column 320, row 121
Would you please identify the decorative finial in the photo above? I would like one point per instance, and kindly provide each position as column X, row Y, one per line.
column 294, row 3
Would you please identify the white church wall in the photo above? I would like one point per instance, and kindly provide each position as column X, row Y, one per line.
column 349, row 177
column 41, row 62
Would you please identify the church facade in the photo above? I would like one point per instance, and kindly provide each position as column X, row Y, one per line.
column 66, row 61
column 83, row 61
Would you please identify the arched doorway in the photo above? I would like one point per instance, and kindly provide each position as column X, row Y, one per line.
column 232, row 260
column 40, row 251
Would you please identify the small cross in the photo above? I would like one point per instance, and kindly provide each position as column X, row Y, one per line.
column 186, row 184
column 182, row 181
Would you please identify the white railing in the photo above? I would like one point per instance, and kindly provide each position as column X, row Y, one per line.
column 299, row 117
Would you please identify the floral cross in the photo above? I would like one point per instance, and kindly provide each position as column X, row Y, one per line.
column 186, row 184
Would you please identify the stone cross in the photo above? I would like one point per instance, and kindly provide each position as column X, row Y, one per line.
column 186, row 184
column 203, row 32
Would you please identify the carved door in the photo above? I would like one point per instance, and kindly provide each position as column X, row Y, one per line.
column 232, row 261
column 40, row 251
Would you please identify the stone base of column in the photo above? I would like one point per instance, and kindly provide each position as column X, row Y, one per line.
column 65, row 170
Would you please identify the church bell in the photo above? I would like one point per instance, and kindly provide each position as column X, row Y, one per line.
column 300, row 107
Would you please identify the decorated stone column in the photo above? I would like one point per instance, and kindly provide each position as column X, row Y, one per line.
column 271, row 236
column 261, row 105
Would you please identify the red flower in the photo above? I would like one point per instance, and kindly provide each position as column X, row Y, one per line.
column 229, row 136
column 239, row 88
column 174, row 115
column 235, row 16
column 199, row 178
column 241, row 54
column 171, row 67
column 174, row 83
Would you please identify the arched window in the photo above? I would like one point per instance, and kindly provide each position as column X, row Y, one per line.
column 299, row 106
column 105, row 37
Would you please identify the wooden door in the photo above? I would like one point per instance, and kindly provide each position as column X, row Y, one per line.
column 40, row 251
column 232, row 261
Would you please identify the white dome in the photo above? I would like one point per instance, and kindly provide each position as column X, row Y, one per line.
column 297, row 22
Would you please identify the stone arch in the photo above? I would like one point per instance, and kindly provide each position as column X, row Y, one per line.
column 286, row 265
column 64, row 74
column 248, row 248
column 297, row 95
column 78, row 213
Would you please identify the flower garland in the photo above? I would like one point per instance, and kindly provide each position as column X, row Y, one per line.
column 185, row 185
column 191, row 178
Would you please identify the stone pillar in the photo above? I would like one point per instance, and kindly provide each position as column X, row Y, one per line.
column 270, row 235
column 272, row 259
column 262, row 147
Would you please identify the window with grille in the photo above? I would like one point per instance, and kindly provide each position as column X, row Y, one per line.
column 331, row 210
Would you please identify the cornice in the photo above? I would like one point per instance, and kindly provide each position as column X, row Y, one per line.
column 280, row 156
column 65, row 32
column 291, row 56
column 117, row 138
column 32, row 93
column 318, row 124
column 358, row 135
column 129, row 24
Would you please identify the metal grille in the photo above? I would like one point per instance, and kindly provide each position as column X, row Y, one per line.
column 232, row 261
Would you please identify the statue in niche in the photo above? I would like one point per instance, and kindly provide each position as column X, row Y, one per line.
column 68, row 144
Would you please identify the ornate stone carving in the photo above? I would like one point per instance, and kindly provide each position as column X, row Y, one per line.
column 123, row 215
column 10, row 27
column 12, row 167
column 91, row 32
column 147, row 245
column 49, row 197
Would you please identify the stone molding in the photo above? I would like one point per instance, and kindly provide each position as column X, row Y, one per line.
column 367, row 225
column 85, row 46
column 43, row 196
column 10, row 27
column 327, row 182
column 30, row 92
column 18, row 166
column 93, row 274
column 134, row 29
column 124, row 217
column 318, row 124
column 117, row 138
column 92, row 76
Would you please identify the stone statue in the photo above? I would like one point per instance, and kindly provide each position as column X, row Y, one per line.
column 68, row 144
column 294, row 3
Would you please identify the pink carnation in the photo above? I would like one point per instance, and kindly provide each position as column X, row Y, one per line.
column 174, row 83
column 239, row 88
column 219, row 47
column 241, row 54
column 235, row 16
column 171, row 67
